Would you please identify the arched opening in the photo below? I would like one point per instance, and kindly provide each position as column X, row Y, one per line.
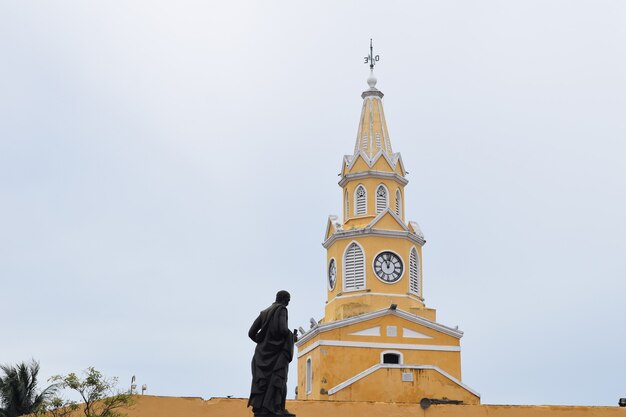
column 360, row 201
column 382, row 201
column 354, row 268
column 391, row 357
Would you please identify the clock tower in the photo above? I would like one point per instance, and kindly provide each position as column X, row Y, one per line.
column 377, row 341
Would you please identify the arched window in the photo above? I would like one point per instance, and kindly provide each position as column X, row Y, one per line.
column 347, row 207
column 360, row 201
column 391, row 357
column 354, row 268
column 398, row 202
column 414, row 273
column 309, row 376
column 381, row 198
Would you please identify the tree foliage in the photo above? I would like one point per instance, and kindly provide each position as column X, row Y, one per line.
column 18, row 390
column 98, row 393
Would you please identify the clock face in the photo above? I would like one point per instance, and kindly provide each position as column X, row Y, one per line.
column 388, row 267
column 332, row 274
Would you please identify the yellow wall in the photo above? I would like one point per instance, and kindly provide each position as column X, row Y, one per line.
column 150, row 406
column 387, row 385
column 333, row 365
column 342, row 304
column 371, row 185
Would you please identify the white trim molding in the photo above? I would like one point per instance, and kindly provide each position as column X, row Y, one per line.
column 363, row 293
column 381, row 175
column 376, row 345
column 378, row 366
column 353, row 233
column 324, row 327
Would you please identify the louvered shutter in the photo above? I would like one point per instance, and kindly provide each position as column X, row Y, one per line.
column 398, row 202
column 354, row 263
column 381, row 199
column 361, row 201
column 414, row 278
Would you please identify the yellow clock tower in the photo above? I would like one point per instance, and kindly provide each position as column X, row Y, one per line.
column 377, row 341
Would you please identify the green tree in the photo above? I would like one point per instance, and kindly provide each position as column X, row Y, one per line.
column 98, row 393
column 18, row 390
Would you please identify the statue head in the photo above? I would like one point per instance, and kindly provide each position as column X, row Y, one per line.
column 283, row 297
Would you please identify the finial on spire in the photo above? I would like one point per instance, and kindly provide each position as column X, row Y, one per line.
column 372, row 59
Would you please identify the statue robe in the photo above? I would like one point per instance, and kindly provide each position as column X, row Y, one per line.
column 274, row 350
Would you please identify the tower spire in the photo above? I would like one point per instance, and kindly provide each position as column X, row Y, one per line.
column 372, row 135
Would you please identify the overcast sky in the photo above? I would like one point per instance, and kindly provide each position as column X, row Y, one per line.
column 166, row 167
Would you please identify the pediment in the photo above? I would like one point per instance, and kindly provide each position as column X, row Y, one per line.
column 381, row 162
column 388, row 220
column 359, row 163
column 386, row 326
column 332, row 226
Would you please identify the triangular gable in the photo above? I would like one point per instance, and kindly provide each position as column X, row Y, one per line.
column 347, row 160
column 360, row 162
column 372, row 331
column 381, row 162
column 411, row 318
column 389, row 220
column 399, row 165
column 332, row 226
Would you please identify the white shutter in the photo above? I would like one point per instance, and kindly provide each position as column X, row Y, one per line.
column 309, row 376
column 381, row 199
column 354, row 267
column 361, row 201
column 347, row 207
column 414, row 274
column 398, row 202
column 377, row 141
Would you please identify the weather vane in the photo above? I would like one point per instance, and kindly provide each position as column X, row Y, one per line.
column 371, row 58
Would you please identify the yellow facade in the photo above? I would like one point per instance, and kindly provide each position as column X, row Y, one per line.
column 152, row 406
column 377, row 341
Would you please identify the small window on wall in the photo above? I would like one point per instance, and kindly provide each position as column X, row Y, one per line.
column 381, row 198
column 347, row 207
column 360, row 198
column 392, row 358
column 309, row 376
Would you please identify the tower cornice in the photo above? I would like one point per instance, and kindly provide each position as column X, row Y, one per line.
column 365, row 231
column 373, row 174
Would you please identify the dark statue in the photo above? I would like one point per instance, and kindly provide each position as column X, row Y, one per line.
column 274, row 350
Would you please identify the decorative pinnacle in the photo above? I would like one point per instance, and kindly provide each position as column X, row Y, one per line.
column 371, row 58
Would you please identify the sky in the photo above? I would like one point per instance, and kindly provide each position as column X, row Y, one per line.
column 166, row 167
